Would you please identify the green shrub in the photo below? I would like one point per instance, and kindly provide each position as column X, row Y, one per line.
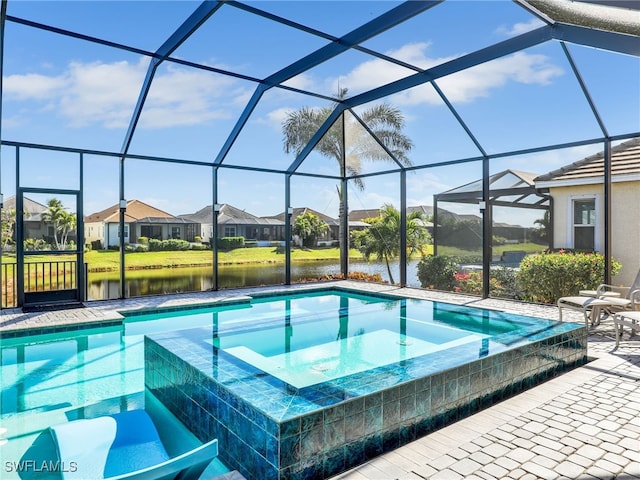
column 229, row 243
column 175, row 244
column 155, row 245
column 506, row 283
column 143, row 240
column 437, row 272
column 548, row 276
column 472, row 283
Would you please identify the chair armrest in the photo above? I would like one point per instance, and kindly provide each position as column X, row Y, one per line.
column 604, row 287
column 635, row 299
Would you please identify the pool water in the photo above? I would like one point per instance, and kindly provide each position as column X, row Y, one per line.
column 303, row 340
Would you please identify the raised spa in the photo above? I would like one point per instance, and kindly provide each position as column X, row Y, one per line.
column 321, row 381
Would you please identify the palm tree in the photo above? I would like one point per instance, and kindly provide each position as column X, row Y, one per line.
column 384, row 120
column 382, row 237
column 62, row 221
column 67, row 224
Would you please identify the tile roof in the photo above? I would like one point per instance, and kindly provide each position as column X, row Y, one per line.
column 625, row 165
column 34, row 209
column 135, row 211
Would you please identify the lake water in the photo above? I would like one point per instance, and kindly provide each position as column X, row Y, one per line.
column 176, row 280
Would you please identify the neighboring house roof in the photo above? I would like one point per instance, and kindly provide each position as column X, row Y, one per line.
column 229, row 215
column 359, row 215
column 135, row 211
column 163, row 220
column 33, row 208
column 625, row 166
column 356, row 217
column 302, row 210
column 204, row 215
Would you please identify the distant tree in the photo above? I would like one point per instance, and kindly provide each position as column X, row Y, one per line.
column 309, row 227
column 8, row 224
column 384, row 120
column 382, row 237
column 63, row 222
column 542, row 232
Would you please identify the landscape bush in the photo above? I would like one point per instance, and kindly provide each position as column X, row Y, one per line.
column 546, row 277
column 438, row 272
column 172, row 244
column 229, row 243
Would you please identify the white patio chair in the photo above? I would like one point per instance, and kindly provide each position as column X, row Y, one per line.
column 608, row 299
column 626, row 319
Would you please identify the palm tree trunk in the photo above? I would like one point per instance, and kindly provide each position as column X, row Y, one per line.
column 386, row 259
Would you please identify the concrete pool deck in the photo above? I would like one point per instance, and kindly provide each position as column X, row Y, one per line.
column 584, row 424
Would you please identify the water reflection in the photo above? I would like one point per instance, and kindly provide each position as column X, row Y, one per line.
column 177, row 280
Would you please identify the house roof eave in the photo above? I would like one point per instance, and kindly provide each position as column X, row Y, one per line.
column 578, row 182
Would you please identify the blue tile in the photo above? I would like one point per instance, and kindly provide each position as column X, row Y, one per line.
column 373, row 420
column 312, row 442
column 334, row 462
column 334, row 434
column 354, row 427
column 291, row 427
column 289, row 451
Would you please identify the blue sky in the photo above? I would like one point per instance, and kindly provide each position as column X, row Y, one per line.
column 67, row 92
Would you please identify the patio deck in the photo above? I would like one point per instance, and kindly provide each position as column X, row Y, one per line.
column 582, row 425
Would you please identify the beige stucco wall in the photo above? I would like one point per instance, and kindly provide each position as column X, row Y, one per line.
column 625, row 223
column 93, row 231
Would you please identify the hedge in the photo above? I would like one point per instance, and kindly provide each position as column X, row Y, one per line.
column 548, row 276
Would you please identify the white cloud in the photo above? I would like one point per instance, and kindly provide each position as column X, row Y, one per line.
column 105, row 94
column 274, row 118
column 520, row 27
column 303, row 81
column 464, row 86
column 32, row 86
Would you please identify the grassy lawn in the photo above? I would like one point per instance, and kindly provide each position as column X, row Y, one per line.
column 497, row 249
column 109, row 260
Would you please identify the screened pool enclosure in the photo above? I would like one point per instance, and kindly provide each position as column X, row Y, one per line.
column 144, row 144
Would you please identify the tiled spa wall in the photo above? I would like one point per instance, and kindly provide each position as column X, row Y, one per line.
column 325, row 442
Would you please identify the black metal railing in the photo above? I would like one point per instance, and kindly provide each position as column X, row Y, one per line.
column 47, row 276
column 8, row 285
column 38, row 277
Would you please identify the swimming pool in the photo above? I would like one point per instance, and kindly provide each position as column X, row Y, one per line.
column 308, row 385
